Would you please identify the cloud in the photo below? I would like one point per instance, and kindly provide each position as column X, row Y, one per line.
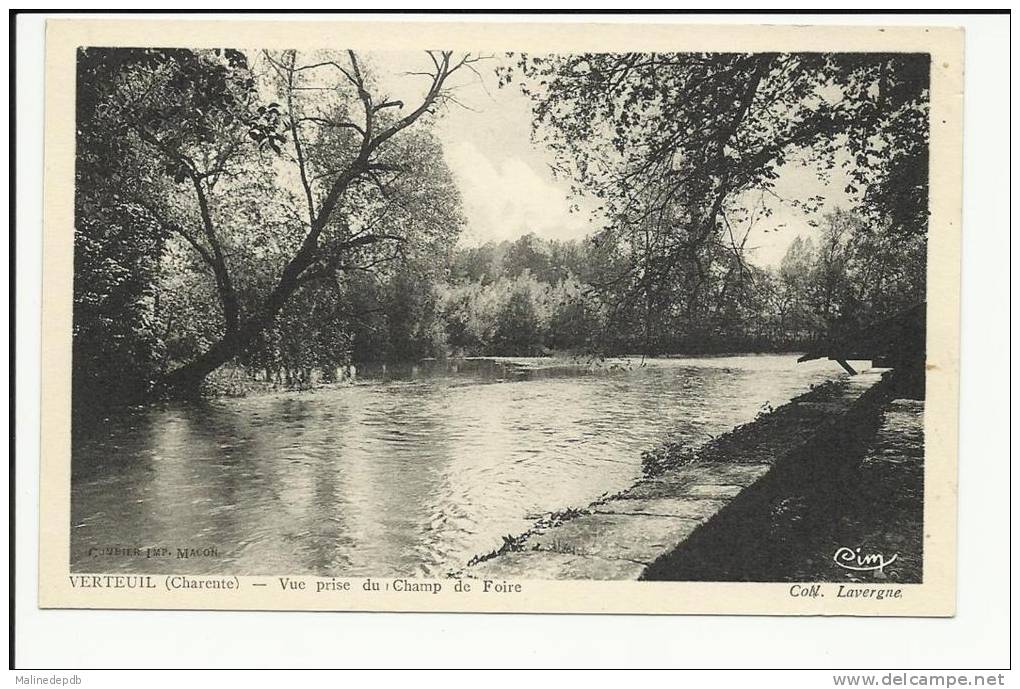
column 506, row 198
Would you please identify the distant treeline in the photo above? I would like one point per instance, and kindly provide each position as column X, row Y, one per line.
column 533, row 296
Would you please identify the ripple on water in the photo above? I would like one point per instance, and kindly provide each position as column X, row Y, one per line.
column 403, row 477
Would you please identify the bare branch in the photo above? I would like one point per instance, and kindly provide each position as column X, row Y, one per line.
column 302, row 168
column 331, row 123
column 177, row 229
column 389, row 104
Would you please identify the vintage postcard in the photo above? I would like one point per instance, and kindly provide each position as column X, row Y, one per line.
column 501, row 317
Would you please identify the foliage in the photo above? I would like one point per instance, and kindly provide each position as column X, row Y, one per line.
column 259, row 176
column 278, row 213
column 116, row 340
column 672, row 145
column 119, row 341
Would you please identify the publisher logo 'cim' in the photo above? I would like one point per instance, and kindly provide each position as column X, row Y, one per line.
column 857, row 561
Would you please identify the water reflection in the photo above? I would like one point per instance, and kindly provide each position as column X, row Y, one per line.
column 409, row 472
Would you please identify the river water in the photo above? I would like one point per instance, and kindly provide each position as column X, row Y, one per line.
column 409, row 472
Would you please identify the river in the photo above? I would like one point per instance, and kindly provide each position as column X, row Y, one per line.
column 408, row 472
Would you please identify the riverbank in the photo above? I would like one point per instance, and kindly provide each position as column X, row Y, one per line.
column 857, row 485
column 749, row 505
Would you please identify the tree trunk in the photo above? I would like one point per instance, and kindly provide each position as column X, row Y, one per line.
column 185, row 380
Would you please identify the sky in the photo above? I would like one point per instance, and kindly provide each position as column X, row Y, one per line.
column 505, row 180
column 506, row 183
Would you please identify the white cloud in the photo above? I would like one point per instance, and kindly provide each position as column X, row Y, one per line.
column 506, row 198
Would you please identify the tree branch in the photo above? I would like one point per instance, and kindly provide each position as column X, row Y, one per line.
column 302, row 169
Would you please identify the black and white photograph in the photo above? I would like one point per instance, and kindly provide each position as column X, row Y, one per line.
column 437, row 327
column 596, row 316
column 510, row 339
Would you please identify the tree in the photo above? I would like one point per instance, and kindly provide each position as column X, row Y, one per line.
column 672, row 145
column 310, row 176
column 855, row 276
column 119, row 344
column 522, row 320
column 795, row 281
column 529, row 253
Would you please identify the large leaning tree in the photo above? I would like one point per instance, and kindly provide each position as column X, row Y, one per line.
column 675, row 146
column 274, row 169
